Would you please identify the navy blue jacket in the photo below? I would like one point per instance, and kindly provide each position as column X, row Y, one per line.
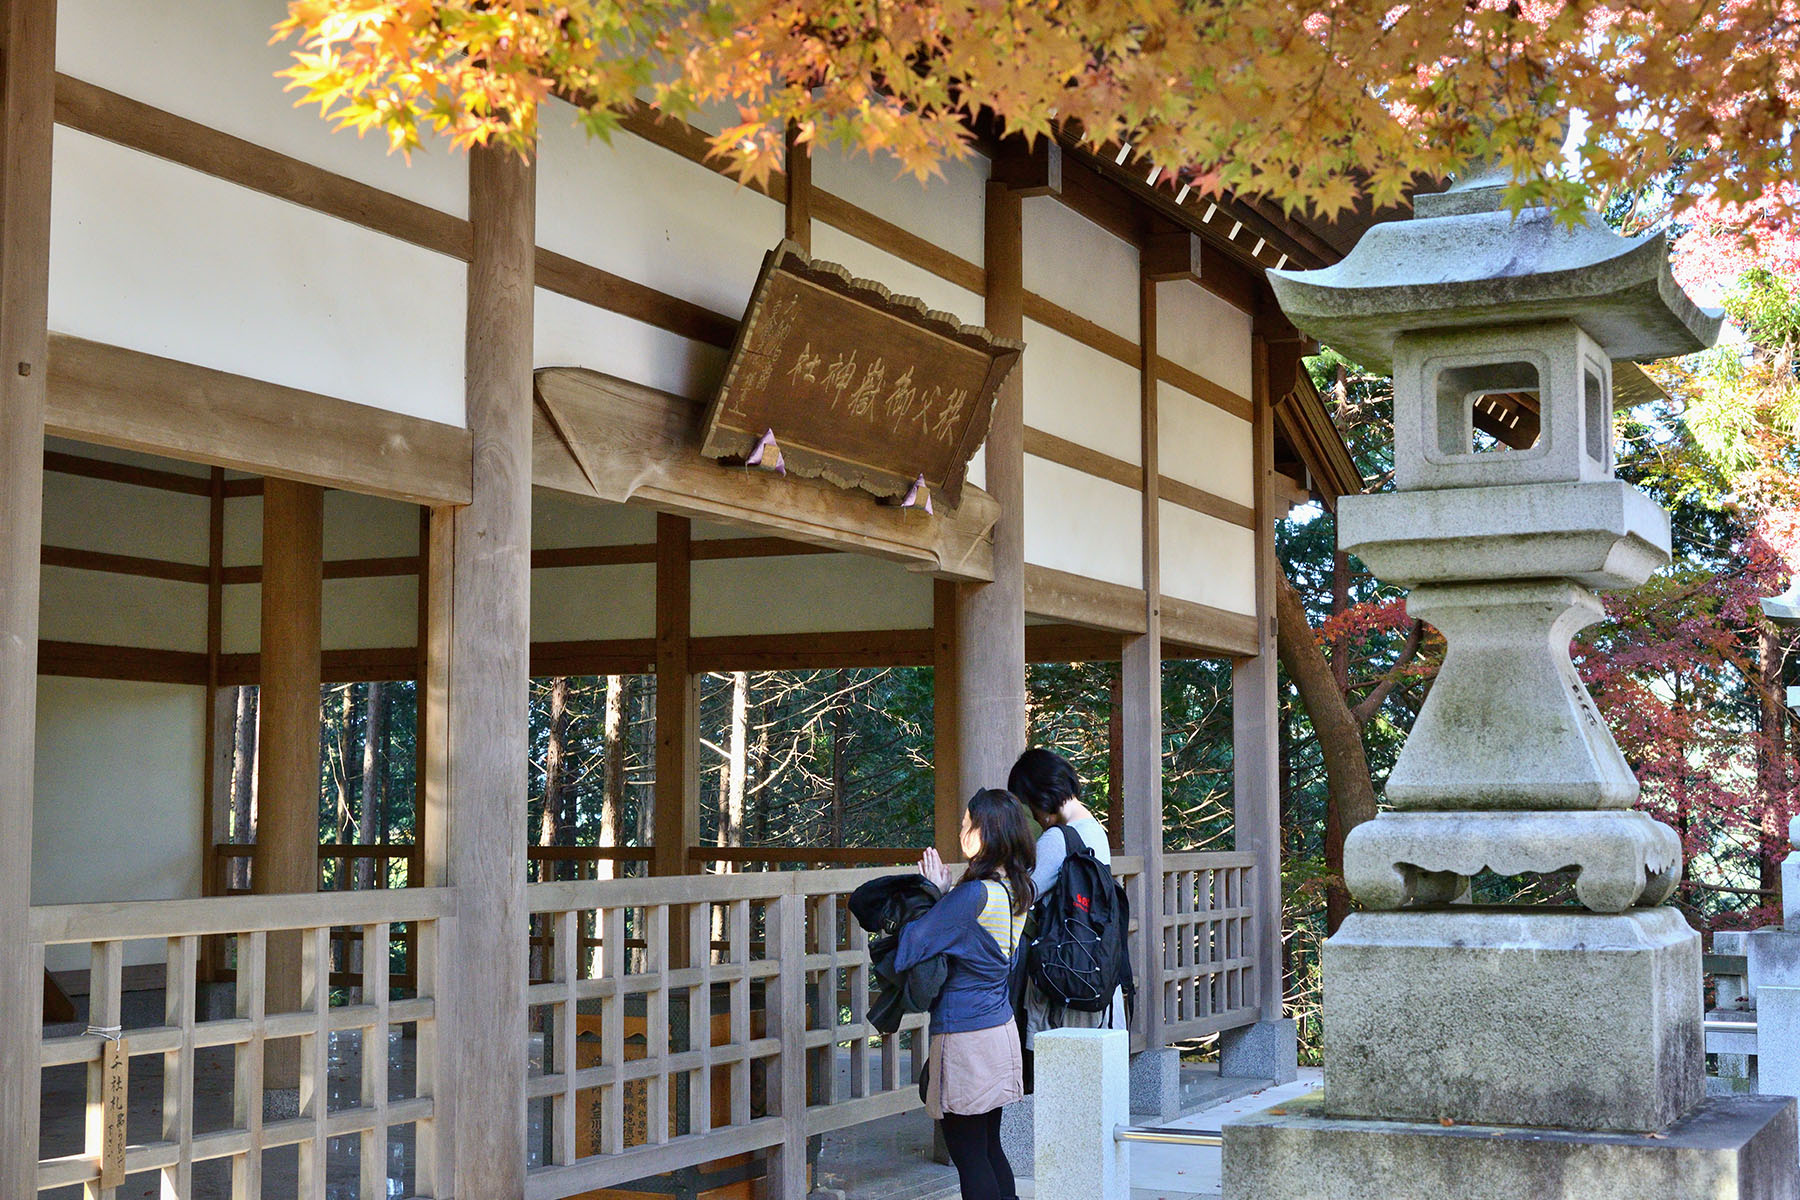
column 976, row 992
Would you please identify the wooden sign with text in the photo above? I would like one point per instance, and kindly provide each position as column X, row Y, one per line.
column 859, row 386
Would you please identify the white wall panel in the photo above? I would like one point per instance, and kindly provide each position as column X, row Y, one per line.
column 1204, row 334
column 582, row 603
column 1082, row 524
column 559, row 520
column 570, row 333
column 155, row 257
column 240, row 618
column 1207, row 560
column 948, row 211
column 243, row 531
column 210, row 61
column 122, row 518
column 117, row 809
column 818, row 593
column 368, row 614
column 359, row 526
column 1080, row 394
column 648, row 214
column 1078, row 265
column 1204, row 445
column 896, row 274
column 121, row 610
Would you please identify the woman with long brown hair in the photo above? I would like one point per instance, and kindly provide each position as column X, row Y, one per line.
column 976, row 1062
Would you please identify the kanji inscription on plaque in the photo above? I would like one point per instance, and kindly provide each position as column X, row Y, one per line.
column 859, row 386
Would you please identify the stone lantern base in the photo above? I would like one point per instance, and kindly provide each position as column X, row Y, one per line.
column 1540, row 1017
column 1740, row 1148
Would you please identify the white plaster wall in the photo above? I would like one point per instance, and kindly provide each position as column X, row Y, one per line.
column 1082, row 524
column 210, row 61
column 569, row 333
column 122, row 518
column 571, row 604
column 1207, row 560
column 949, row 210
column 816, row 593
column 638, row 210
column 240, row 618
column 1203, row 445
column 355, row 614
column 155, row 257
column 359, row 526
column 1082, row 395
column 117, row 808
column 896, row 274
column 121, row 610
column 559, row 521
column 1078, row 265
column 1204, row 334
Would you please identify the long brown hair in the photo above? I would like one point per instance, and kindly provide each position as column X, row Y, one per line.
column 1007, row 850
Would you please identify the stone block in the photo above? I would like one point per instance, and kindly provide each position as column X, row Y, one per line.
column 1790, row 872
column 1557, row 1018
column 1741, row 1148
column 1083, row 1095
column 1733, row 990
column 1156, row 1083
column 1265, row 1050
column 1018, row 1137
column 1772, row 960
column 1778, row 1040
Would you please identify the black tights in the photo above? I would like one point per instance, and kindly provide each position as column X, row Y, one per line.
column 974, row 1144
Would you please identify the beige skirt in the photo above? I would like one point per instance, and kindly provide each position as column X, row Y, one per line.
column 975, row 1072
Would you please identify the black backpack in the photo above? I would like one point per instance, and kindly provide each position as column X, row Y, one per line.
column 1080, row 953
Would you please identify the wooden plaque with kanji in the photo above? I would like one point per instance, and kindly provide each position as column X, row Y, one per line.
column 858, row 386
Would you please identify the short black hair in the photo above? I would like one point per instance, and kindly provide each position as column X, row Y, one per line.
column 1044, row 780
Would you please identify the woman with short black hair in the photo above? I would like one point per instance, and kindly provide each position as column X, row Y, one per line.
column 1049, row 786
column 976, row 1064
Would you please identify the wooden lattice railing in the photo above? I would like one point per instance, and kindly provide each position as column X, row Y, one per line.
column 324, row 1025
column 1208, row 958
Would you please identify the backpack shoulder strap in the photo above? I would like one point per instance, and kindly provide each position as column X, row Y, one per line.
column 1072, row 843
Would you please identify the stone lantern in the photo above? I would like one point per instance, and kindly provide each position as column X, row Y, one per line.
column 1511, row 1051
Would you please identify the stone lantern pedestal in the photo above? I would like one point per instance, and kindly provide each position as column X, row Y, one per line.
column 1527, row 1052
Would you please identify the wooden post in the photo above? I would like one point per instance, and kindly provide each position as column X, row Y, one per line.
column 990, row 617
column 1140, row 691
column 1255, row 712
column 221, row 720
column 677, row 702
column 949, row 799
column 27, row 80
column 797, row 221
column 287, row 785
column 483, row 690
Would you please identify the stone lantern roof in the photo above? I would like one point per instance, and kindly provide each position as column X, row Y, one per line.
column 1464, row 260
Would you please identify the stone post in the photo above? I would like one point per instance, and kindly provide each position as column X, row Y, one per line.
column 1083, row 1096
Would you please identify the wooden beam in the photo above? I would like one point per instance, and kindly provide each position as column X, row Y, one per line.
column 1202, row 388
column 28, row 28
column 1171, row 254
column 990, row 618
column 798, row 194
column 86, row 660
column 1186, row 495
column 136, row 401
column 1141, row 691
column 124, row 564
column 812, row 651
column 903, row 244
column 488, row 682
column 98, row 468
column 1062, row 596
column 1071, row 643
column 947, row 797
column 1191, row 630
column 287, row 783
column 215, row 778
column 1028, row 170
column 677, row 702
column 627, row 297
column 1255, row 713
column 640, row 444
column 94, row 110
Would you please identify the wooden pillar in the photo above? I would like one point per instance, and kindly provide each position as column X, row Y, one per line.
column 948, row 796
column 1256, row 712
column 479, row 681
column 27, row 66
column 287, row 784
column 797, row 221
column 677, row 701
column 990, row 617
column 221, row 722
column 1140, row 690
